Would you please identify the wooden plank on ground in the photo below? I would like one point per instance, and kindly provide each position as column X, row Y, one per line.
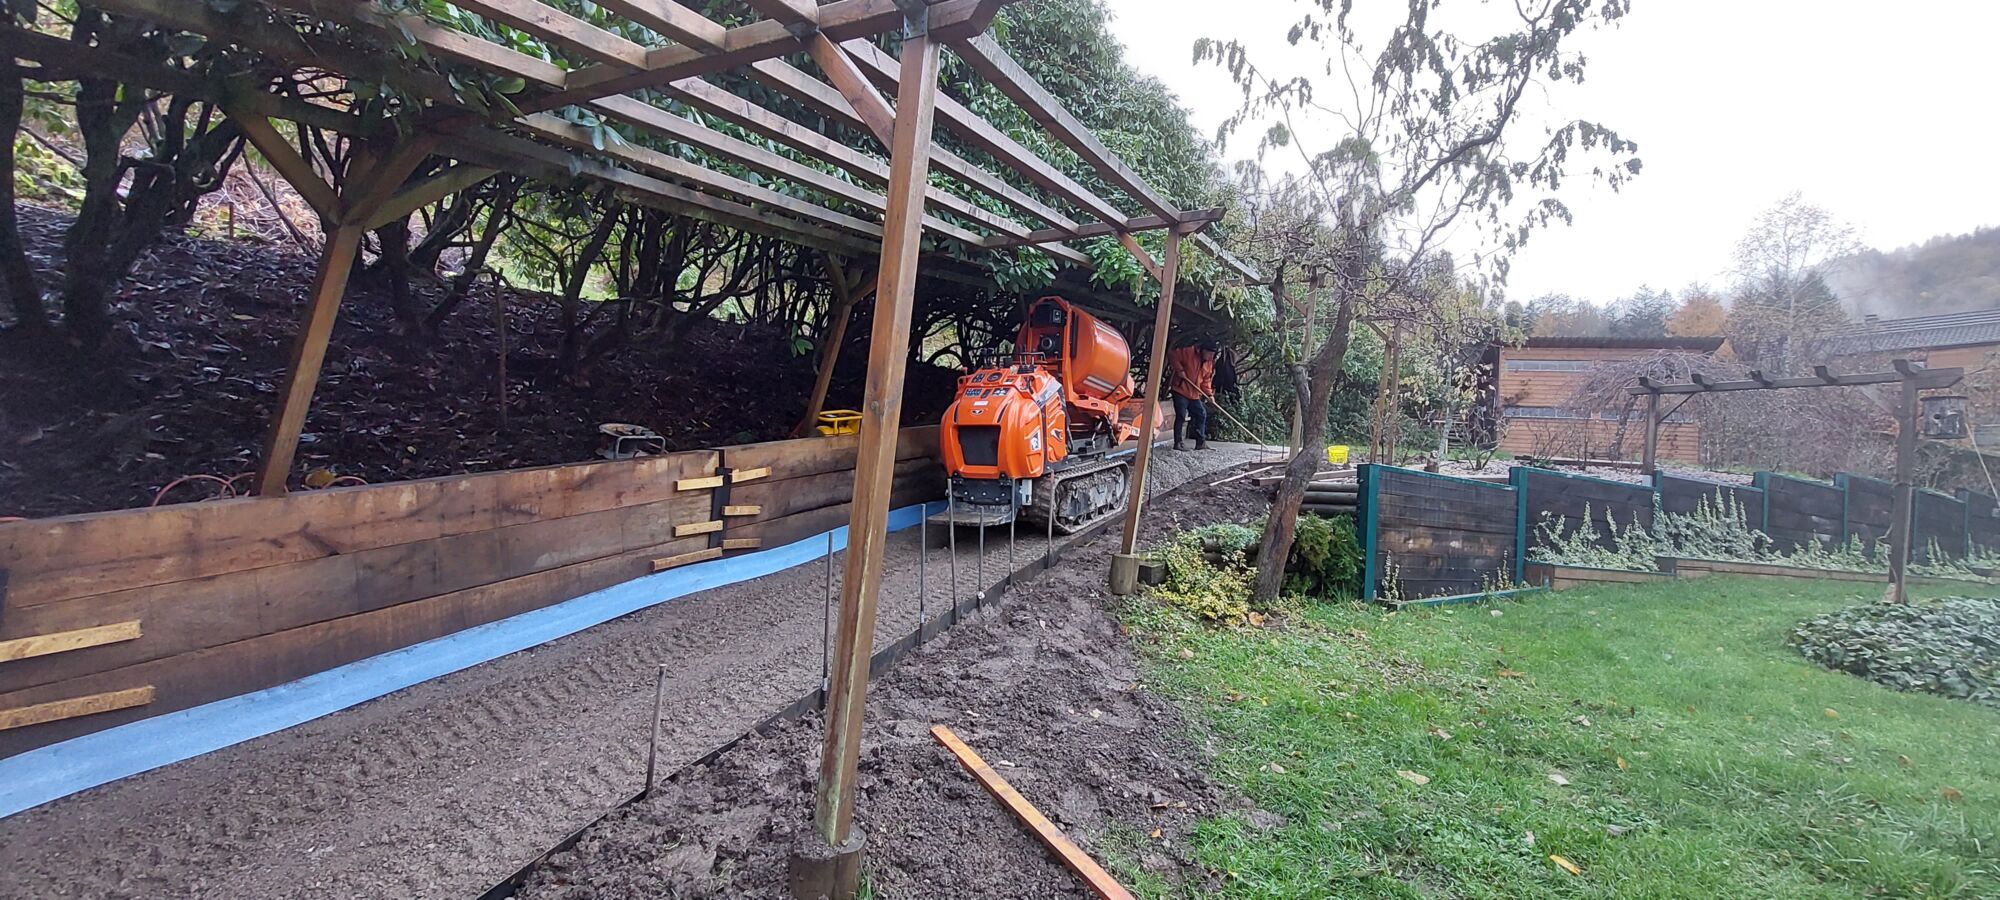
column 661, row 565
column 1100, row 882
column 57, row 710
column 65, row 641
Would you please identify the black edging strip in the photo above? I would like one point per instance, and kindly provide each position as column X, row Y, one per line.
column 815, row 699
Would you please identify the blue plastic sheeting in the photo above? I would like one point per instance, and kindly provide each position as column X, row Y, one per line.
column 58, row 770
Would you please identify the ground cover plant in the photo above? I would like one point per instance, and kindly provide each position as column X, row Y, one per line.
column 1629, row 741
column 1950, row 648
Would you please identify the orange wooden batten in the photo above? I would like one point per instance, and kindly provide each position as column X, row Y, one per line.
column 1101, row 883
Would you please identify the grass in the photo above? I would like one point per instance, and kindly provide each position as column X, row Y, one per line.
column 1703, row 757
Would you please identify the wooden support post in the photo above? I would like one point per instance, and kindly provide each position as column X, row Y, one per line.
column 371, row 181
column 875, row 458
column 1298, row 436
column 1382, row 437
column 1652, row 461
column 1156, row 367
column 336, row 262
column 1902, row 516
column 846, row 297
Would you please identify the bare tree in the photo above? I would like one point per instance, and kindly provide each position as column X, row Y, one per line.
column 1416, row 145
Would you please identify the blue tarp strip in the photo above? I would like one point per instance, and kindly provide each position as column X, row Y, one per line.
column 58, row 770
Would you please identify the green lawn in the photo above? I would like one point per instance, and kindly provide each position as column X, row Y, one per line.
column 1702, row 756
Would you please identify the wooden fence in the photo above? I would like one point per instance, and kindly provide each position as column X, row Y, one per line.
column 110, row 617
column 1797, row 511
column 1425, row 535
column 1556, row 503
column 1681, row 496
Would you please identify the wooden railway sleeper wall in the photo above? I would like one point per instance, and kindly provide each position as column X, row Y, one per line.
column 107, row 618
column 1426, row 535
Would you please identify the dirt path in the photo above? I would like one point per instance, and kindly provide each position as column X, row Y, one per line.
column 1044, row 686
column 442, row 789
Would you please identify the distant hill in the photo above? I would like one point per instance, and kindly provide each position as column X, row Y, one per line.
column 1949, row 273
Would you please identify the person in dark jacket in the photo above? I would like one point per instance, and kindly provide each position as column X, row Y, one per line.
column 1191, row 377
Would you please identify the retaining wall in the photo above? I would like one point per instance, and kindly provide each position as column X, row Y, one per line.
column 111, row 617
column 1426, row 535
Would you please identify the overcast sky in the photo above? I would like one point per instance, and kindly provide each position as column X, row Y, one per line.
column 1884, row 113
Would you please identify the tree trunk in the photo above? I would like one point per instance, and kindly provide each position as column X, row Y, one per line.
column 1316, row 385
column 395, row 266
column 496, row 219
column 579, row 274
column 24, row 291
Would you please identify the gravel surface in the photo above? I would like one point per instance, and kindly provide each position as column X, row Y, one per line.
column 442, row 789
column 1043, row 685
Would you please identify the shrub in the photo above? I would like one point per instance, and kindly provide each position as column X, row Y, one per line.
column 1950, row 648
column 1212, row 586
column 1628, row 547
column 1326, row 557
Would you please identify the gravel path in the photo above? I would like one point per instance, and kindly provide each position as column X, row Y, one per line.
column 442, row 789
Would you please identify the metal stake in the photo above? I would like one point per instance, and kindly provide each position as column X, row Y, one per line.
column 1049, row 553
column 923, row 555
column 826, row 628
column 659, row 706
column 951, row 539
column 979, row 565
column 1011, row 528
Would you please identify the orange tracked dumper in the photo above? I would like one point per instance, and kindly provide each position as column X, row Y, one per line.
column 1030, row 432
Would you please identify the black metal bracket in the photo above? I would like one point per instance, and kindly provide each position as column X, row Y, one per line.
column 718, row 499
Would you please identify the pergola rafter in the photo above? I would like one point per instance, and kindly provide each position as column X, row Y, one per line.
column 851, row 201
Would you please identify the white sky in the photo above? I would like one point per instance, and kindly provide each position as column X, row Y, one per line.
column 1881, row 112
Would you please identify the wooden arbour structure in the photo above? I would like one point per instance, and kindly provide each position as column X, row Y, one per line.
column 870, row 203
column 1913, row 380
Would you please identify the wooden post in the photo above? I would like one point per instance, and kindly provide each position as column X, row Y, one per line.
column 371, row 183
column 1902, row 517
column 875, row 458
column 1156, row 367
column 336, row 262
column 1651, row 464
column 846, row 297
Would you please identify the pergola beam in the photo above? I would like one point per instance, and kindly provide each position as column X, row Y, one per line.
column 981, row 134
column 561, row 29
column 828, row 102
column 672, row 20
column 790, row 12
column 999, row 69
column 1699, row 384
column 766, row 39
column 1104, row 229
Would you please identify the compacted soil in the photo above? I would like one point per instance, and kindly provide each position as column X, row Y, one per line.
column 1044, row 686
column 444, row 789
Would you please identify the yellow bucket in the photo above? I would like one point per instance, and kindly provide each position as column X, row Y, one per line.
column 839, row 421
column 1337, row 454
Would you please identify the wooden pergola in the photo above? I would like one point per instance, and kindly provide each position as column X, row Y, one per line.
column 1912, row 378
column 877, row 202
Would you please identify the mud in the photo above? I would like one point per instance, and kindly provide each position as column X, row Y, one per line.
column 1044, row 686
column 445, row 788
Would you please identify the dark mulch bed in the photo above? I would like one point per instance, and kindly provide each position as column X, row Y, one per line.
column 203, row 336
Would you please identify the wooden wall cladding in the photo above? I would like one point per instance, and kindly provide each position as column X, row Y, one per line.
column 1982, row 525
column 1683, row 496
column 240, row 595
column 1436, row 536
column 1548, row 497
column 1797, row 511
column 1940, row 524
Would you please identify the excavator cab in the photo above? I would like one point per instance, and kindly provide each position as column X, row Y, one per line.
column 1030, row 430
